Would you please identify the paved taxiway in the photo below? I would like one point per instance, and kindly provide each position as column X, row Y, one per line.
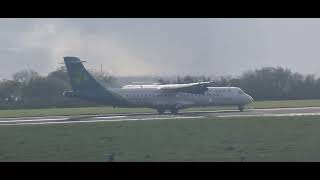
column 154, row 116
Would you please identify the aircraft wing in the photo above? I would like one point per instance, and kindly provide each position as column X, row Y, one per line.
column 196, row 88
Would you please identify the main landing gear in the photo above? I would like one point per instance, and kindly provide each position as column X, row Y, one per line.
column 160, row 111
column 174, row 111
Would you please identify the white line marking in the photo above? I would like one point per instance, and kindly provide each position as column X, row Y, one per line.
column 213, row 111
column 61, row 119
column 270, row 115
column 112, row 120
column 20, row 118
column 294, row 108
column 148, row 113
column 240, row 115
column 109, row 117
column 298, row 114
column 33, row 120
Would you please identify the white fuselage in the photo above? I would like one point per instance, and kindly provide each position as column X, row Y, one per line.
column 151, row 96
column 160, row 97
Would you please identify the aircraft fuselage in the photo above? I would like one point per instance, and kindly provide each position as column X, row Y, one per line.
column 161, row 97
column 153, row 98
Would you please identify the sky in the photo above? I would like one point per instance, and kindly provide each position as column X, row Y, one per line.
column 165, row 47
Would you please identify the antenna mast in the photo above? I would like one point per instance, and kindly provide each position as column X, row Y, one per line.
column 101, row 70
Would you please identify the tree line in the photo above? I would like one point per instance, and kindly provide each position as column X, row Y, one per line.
column 28, row 89
column 267, row 83
column 276, row 83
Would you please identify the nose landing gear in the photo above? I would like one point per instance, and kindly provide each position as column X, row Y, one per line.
column 241, row 107
column 174, row 111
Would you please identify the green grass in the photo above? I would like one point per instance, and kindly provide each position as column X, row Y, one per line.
column 210, row 139
column 286, row 103
column 107, row 110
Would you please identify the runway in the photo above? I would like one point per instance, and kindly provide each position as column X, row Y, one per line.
column 154, row 116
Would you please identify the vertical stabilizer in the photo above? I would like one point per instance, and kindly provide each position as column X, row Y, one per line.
column 85, row 86
column 80, row 78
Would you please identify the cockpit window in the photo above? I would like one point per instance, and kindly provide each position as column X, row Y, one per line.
column 240, row 91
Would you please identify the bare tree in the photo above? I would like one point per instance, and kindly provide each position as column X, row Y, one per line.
column 25, row 76
column 103, row 77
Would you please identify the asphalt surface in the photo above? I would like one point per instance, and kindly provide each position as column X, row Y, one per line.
column 154, row 116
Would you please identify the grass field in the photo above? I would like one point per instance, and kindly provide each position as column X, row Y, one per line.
column 106, row 110
column 211, row 139
column 286, row 104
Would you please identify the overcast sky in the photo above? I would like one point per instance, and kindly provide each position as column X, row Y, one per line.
column 161, row 46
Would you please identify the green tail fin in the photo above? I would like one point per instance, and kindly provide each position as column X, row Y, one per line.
column 80, row 78
column 85, row 86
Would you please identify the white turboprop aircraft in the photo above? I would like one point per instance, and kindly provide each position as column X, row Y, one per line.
column 160, row 97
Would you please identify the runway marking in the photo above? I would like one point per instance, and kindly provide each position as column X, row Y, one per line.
column 32, row 120
column 293, row 108
column 269, row 115
column 210, row 111
column 139, row 116
column 109, row 117
column 60, row 119
column 151, row 113
column 49, row 117
column 110, row 120
column 298, row 114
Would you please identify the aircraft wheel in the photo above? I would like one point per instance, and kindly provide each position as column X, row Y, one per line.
column 160, row 111
column 241, row 107
column 174, row 111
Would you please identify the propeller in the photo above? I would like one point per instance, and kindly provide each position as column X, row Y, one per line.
column 204, row 79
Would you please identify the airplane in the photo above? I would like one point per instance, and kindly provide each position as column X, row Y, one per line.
column 172, row 97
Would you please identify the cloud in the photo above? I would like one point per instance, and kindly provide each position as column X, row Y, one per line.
column 59, row 40
column 160, row 46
